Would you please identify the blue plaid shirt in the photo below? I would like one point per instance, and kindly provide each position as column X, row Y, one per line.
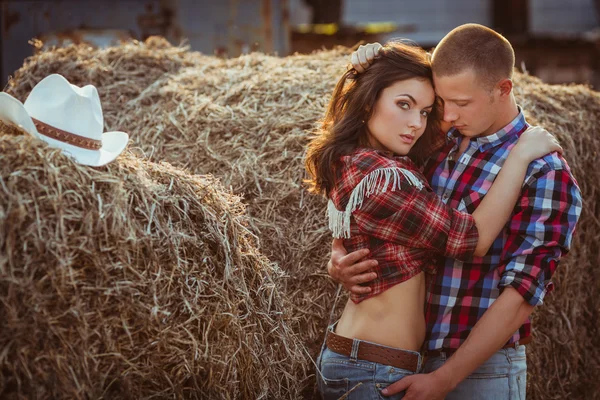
column 525, row 254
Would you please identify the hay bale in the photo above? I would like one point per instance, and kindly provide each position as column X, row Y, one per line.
column 134, row 280
column 246, row 121
column 564, row 358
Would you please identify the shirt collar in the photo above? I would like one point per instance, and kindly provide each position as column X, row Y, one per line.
column 490, row 141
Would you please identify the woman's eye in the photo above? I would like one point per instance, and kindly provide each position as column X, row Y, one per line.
column 403, row 105
column 425, row 113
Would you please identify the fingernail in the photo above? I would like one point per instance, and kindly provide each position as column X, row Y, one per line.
column 385, row 392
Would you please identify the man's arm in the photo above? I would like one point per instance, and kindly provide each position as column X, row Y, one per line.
column 489, row 335
column 538, row 234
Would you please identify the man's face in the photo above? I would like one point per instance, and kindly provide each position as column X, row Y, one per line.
column 468, row 105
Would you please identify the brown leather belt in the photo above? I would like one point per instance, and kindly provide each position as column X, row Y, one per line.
column 373, row 352
column 449, row 352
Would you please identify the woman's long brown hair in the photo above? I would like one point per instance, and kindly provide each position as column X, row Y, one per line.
column 344, row 127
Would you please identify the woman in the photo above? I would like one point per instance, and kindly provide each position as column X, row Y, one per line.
column 380, row 127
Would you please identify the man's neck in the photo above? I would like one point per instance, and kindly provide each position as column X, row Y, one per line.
column 506, row 118
column 503, row 119
column 462, row 147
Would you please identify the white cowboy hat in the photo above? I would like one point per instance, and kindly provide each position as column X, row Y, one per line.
column 67, row 117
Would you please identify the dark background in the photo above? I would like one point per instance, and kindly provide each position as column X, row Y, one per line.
column 557, row 40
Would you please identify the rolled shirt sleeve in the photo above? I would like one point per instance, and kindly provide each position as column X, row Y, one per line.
column 417, row 218
column 540, row 232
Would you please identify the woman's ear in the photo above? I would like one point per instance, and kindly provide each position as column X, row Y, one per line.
column 366, row 113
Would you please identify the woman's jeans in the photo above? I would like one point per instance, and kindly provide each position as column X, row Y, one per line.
column 503, row 376
column 340, row 375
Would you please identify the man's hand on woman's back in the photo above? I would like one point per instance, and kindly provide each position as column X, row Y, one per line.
column 363, row 57
column 350, row 269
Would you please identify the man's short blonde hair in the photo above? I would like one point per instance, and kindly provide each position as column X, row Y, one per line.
column 476, row 47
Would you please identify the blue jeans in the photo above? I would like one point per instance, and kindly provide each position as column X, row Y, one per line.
column 339, row 375
column 503, row 376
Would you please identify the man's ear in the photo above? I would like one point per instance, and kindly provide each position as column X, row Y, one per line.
column 505, row 86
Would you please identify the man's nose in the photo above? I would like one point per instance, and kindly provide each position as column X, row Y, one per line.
column 449, row 114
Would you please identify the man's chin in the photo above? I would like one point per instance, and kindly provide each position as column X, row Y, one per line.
column 466, row 131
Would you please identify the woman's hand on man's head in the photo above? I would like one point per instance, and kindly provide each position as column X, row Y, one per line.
column 350, row 269
column 363, row 57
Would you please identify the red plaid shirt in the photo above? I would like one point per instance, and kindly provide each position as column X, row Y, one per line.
column 384, row 203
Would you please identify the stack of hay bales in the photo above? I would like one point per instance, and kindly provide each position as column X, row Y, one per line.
column 135, row 280
column 247, row 121
column 564, row 358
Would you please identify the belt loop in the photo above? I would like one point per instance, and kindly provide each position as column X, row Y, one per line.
column 354, row 352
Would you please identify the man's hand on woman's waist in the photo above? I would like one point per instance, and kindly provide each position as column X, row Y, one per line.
column 350, row 269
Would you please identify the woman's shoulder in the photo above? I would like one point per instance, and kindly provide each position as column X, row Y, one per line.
column 375, row 167
column 367, row 160
column 367, row 173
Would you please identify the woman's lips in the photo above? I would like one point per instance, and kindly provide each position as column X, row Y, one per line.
column 408, row 139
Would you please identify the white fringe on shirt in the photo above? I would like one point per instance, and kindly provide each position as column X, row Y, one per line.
column 381, row 180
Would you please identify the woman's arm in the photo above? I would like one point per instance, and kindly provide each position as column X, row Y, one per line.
column 496, row 207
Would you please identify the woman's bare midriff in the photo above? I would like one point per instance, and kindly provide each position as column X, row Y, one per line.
column 393, row 318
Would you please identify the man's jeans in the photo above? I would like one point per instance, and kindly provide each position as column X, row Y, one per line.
column 503, row 376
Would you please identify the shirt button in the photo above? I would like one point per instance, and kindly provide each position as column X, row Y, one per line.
column 445, row 196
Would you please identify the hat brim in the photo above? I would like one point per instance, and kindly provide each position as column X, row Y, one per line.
column 113, row 144
column 13, row 112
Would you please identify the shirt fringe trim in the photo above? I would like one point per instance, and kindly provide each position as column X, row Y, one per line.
column 381, row 180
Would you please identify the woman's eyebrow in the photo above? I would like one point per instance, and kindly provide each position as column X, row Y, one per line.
column 409, row 96
column 412, row 99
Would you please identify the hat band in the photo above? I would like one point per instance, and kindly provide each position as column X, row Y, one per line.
column 67, row 137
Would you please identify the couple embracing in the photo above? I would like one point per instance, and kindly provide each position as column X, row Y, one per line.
column 446, row 240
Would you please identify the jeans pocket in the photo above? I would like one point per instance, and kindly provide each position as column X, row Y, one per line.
column 496, row 367
column 332, row 389
column 386, row 376
column 381, row 385
column 333, row 376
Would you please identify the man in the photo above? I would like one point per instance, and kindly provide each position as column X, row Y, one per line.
column 478, row 311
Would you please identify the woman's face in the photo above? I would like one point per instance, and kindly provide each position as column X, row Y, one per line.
column 400, row 115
